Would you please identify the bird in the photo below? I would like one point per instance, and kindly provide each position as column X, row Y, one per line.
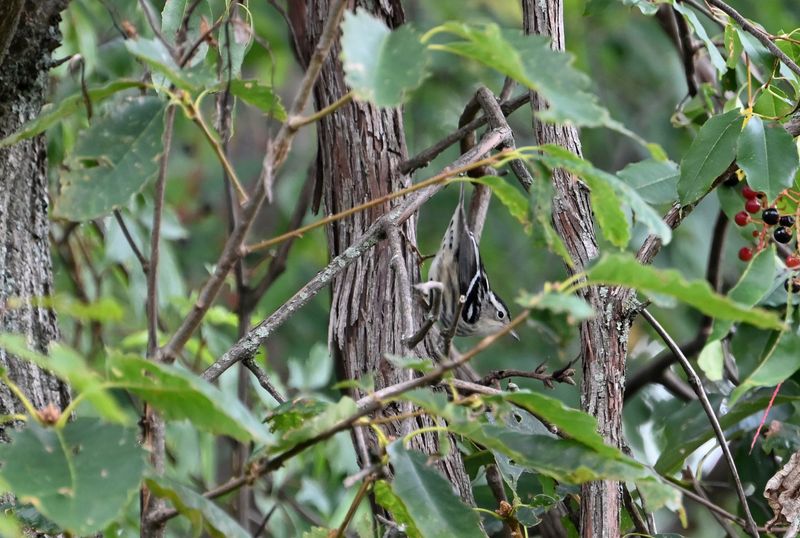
column 458, row 267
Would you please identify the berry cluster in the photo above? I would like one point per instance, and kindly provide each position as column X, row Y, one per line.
column 782, row 228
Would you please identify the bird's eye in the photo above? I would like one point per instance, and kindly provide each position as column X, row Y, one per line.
column 500, row 314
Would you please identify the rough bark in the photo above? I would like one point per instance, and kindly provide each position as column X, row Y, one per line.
column 604, row 339
column 359, row 149
column 25, row 267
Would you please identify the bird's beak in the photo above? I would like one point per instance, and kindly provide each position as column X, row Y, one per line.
column 514, row 334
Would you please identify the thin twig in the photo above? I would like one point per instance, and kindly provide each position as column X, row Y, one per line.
column 438, row 179
column 151, row 21
column 354, row 506
column 700, row 491
column 424, row 157
column 696, row 383
column 638, row 521
column 129, row 238
column 330, row 109
column 186, row 58
column 562, row 375
column 264, row 381
column 758, row 33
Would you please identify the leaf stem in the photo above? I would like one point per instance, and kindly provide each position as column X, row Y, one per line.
column 26, row 403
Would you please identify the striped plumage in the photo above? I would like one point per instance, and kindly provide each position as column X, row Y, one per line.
column 458, row 266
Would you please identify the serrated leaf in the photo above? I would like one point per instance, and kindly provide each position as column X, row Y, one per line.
column 381, row 65
column 53, row 113
column 322, row 421
column 386, row 498
column 80, row 477
column 687, row 429
column 572, row 422
column 607, row 196
column 529, row 60
column 768, row 155
column 777, row 364
column 291, row 415
column 753, row 286
column 625, row 270
column 180, row 395
column 710, row 154
column 655, row 181
column 123, row 148
column 516, row 202
column 68, row 365
column 197, row 508
column 429, row 497
column 260, row 96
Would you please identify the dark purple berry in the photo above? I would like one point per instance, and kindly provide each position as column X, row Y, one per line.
column 782, row 235
column 786, row 220
column 793, row 282
column 770, row 216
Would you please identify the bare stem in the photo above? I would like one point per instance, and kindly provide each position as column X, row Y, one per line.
column 297, row 123
column 696, row 384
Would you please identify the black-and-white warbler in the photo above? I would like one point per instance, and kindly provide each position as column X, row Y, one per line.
column 458, row 267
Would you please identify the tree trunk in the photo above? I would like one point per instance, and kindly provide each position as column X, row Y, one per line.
column 359, row 149
column 25, row 267
column 604, row 339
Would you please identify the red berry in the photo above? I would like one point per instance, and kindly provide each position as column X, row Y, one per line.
column 755, row 233
column 752, row 205
column 742, row 218
column 749, row 193
column 792, row 262
column 745, row 254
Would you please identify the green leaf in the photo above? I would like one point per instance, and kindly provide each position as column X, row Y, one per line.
column 655, row 181
column 418, row 364
column 180, row 395
column 259, row 96
column 81, row 477
column 608, row 193
column 711, row 360
column 573, row 306
column 777, row 364
column 197, row 508
column 716, row 58
column 572, row 422
column 53, row 113
column 529, row 60
column 386, row 498
column 625, row 270
column 158, row 58
column 753, row 286
column 291, row 415
column 733, row 45
column 647, row 7
column 710, row 154
column 768, row 156
column 171, row 17
column 381, row 65
column 123, row 150
column 240, row 34
column 68, row 365
column 773, row 103
column 429, row 497
column 687, row 429
column 321, row 422
column 516, row 202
